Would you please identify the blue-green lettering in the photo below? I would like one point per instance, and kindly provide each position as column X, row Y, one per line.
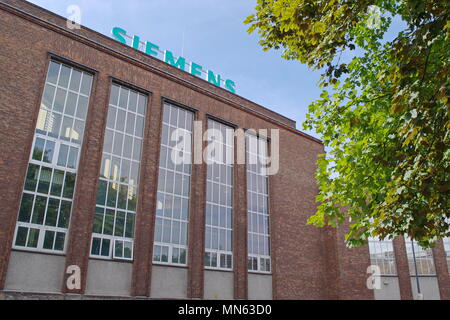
column 151, row 49
column 168, row 58
column 117, row 33
column 212, row 78
column 196, row 69
column 230, row 85
column 136, row 42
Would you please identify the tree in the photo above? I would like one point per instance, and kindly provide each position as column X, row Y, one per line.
column 383, row 115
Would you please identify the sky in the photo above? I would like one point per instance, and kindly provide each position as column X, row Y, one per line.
column 211, row 33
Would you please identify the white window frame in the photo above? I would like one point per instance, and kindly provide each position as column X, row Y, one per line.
column 113, row 239
column 53, row 164
column 259, row 257
column 216, row 125
column 172, row 246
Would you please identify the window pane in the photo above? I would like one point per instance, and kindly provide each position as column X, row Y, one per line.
column 129, row 230
column 120, row 224
column 33, row 237
column 64, row 76
column 139, row 126
column 52, row 212
column 48, row 152
column 63, row 153
column 112, row 194
column 69, row 185
column 142, row 104
column 57, row 183
column 128, row 147
column 109, row 222
column 78, row 132
column 114, row 95
column 49, row 96
column 49, row 239
column 123, row 100
column 26, row 207
column 120, row 124
column 21, row 238
column 118, row 249
column 101, row 193
column 44, row 180
column 130, row 123
column 53, row 71
column 64, row 214
column 165, row 254
column 75, row 80
column 95, row 250
column 118, row 143
column 59, row 241
column 32, row 177
column 60, row 100
column 105, row 247
column 122, row 199
column 132, row 103
column 107, row 146
column 66, row 128
column 86, row 84
column 127, row 250
column 38, row 149
column 71, row 104
column 98, row 220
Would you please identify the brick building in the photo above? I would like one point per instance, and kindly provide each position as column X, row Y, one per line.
column 87, row 129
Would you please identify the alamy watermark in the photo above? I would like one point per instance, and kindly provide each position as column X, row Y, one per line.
column 74, row 19
column 74, row 279
column 374, row 281
column 251, row 147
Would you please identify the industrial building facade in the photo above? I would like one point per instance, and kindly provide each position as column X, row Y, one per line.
column 99, row 174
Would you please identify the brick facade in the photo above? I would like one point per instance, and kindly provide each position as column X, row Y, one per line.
column 308, row 262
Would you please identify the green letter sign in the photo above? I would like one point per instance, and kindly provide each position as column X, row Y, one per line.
column 152, row 49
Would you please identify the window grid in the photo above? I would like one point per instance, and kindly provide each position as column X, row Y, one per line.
column 46, row 202
column 424, row 259
column 258, row 205
column 172, row 212
column 447, row 252
column 115, row 212
column 219, row 198
column 382, row 254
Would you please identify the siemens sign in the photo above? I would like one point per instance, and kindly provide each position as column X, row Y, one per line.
column 153, row 50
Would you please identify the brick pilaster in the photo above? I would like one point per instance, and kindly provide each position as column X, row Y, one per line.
column 195, row 286
column 83, row 206
column 401, row 260
column 145, row 218
column 240, row 226
column 15, row 155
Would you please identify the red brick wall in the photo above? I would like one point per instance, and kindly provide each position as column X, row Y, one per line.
column 352, row 264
